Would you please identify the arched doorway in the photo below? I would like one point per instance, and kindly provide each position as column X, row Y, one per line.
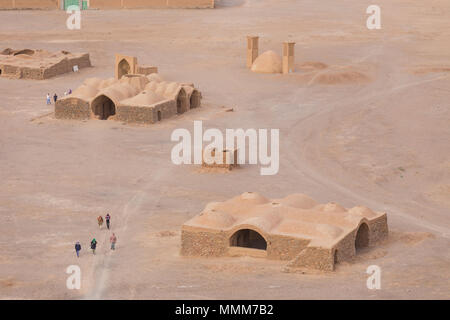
column 181, row 101
column 159, row 115
column 195, row 99
column 362, row 237
column 124, row 68
column 103, row 107
column 248, row 239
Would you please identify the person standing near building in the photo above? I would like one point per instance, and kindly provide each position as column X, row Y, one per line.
column 100, row 221
column 113, row 240
column 108, row 219
column 93, row 245
column 78, row 248
column 55, row 97
column 48, row 99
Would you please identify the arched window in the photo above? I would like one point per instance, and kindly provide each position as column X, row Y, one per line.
column 124, row 68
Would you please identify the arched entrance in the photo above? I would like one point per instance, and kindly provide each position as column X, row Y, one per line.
column 195, row 99
column 103, row 107
column 181, row 101
column 124, row 68
column 362, row 237
column 248, row 239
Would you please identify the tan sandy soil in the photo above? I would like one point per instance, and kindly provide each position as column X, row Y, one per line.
column 364, row 121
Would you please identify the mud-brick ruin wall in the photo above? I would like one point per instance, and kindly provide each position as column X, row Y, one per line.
column 108, row 4
column 146, row 70
column 30, row 4
column 142, row 114
column 133, row 4
column 66, row 66
column 72, row 108
column 203, row 243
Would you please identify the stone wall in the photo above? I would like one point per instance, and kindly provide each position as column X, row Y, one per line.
column 142, row 114
column 30, row 4
column 314, row 258
column 199, row 243
column 134, row 4
column 346, row 247
column 378, row 229
column 146, row 70
column 108, row 4
column 61, row 67
column 284, row 248
column 72, row 108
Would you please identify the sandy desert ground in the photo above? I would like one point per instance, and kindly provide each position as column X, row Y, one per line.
column 365, row 120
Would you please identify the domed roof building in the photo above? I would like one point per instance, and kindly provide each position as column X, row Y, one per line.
column 295, row 228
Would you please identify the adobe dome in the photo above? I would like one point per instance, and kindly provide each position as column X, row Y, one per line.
column 267, row 62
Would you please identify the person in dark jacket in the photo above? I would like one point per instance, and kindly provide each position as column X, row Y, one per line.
column 55, row 97
column 107, row 218
column 93, row 245
column 78, row 248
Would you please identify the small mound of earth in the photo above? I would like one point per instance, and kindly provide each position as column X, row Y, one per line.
column 267, row 62
column 311, row 66
column 167, row 233
column 431, row 69
column 340, row 76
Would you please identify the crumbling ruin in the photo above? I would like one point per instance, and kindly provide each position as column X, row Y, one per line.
column 130, row 96
column 270, row 61
column 40, row 64
column 104, row 4
column 295, row 228
column 213, row 158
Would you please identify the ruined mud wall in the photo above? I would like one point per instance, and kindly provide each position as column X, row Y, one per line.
column 134, row 4
column 108, row 4
column 66, row 66
column 140, row 114
column 72, row 108
column 61, row 67
column 30, row 4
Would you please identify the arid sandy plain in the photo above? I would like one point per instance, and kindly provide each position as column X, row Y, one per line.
column 364, row 120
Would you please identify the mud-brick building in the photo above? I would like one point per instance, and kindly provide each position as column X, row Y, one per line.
column 39, row 64
column 295, row 228
column 137, row 94
column 104, row 4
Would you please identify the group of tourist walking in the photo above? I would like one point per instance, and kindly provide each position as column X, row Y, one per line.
column 55, row 96
column 112, row 239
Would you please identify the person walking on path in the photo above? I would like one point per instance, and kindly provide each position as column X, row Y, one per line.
column 113, row 240
column 78, row 248
column 55, row 97
column 48, row 99
column 93, row 245
column 100, row 221
column 108, row 219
